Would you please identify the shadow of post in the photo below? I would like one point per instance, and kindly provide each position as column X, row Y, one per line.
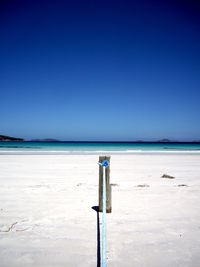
column 96, row 208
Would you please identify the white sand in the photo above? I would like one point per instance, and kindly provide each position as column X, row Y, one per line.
column 46, row 217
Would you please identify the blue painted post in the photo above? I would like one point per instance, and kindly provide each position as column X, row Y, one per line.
column 108, row 186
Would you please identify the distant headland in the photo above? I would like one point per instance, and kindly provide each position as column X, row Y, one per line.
column 6, row 138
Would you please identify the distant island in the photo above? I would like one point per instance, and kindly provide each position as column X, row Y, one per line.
column 45, row 140
column 165, row 141
column 6, row 138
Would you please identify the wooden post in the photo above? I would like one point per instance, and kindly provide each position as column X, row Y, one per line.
column 108, row 186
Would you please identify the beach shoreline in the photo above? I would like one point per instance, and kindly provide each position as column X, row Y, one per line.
column 101, row 152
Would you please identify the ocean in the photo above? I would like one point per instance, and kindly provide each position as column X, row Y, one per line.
column 97, row 147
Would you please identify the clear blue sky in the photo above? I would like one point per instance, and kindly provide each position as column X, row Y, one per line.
column 100, row 70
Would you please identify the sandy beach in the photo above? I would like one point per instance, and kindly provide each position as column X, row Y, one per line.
column 46, row 215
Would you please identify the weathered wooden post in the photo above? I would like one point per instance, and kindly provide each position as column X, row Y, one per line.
column 108, row 186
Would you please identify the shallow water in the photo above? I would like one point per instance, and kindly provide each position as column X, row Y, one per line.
column 97, row 147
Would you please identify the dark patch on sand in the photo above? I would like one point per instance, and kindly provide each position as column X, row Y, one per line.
column 167, row 176
column 143, row 185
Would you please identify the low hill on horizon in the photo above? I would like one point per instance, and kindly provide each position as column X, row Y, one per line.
column 9, row 138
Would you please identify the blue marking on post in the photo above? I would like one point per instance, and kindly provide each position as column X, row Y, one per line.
column 105, row 163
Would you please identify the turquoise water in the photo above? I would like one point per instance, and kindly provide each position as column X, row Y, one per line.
column 96, row 147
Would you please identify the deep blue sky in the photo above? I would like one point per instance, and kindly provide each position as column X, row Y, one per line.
column 100, row 70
